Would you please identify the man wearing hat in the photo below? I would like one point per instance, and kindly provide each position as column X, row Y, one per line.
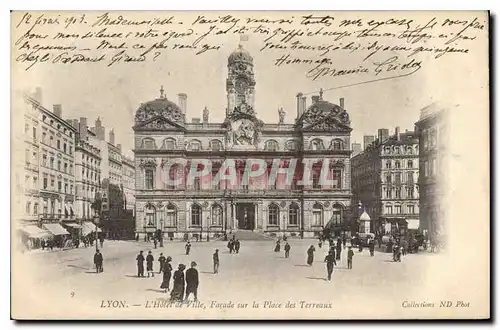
column 216, row 261
column 140, row 264
column 192, row 281
column 98, row 261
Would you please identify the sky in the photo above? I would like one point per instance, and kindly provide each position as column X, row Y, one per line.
column 114, row 93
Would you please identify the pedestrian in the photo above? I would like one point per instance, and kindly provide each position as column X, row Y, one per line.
column 167, row 274
column 188, row 248
column 230, row 245
column 161, row 260
column 43, row 244
column 287, row 250
column 237, row 246
column 344, row 241
column 149, row 264
column 360, row 244
column 350, row 254
column 339, row 249
column 216, row 261
column 98, row 261
column 192, row 281
column 278, row 246
column 102, row 240
column 320, row 243
column 399, row 252
column 140, row 264
column 372, row 248
column 310, row 255
column 155, row 243
column 330, row 261
column 177, row 293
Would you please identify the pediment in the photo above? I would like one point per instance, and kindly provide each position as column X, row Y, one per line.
column 159, row 123
column 327, row 124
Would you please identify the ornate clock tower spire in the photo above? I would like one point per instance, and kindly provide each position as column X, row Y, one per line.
column 240, row 83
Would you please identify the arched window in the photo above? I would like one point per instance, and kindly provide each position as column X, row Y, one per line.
column 291, row 145
column 196, row 215
column 149, row 175
column 274, row 215
column 410, row 163
column 337, row 144
column 293, row 214
column 150, row 215
column 337, row 213
column 397, row 164
column 215, row 145
column 409, row 150
column 216, row 215
column 317, row 144
column 195, row 145
column 171, row 219
column 388, row 164
column 387, row 150
column 148, row 143
column 169, row 144
column 271, row 145
column 317, row 219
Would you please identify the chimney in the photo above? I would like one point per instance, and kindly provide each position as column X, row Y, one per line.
column 383, row 133
column 98, row 122
column 57, row 109
column 112, row 137
column 315, row 98
column 396, row 133
column 183, row 102
column 304, row 103
column 299, row 105
column 38, row 95
column 119, row 146
column 195, row 120
column 367, row 140
column 83, row 128
column 356, row 148
column 342, row 102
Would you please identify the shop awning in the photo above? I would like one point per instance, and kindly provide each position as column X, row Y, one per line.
column 56, row 229
column 35, row 232
column 413, row 223
column 73, row 225
column 88, row 227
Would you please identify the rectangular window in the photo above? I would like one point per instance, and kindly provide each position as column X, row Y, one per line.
column 398, row 192
column 35, row 182
column 45, row 183
column 397, row 209
column 52, row 183
column 34, row 134
column 337, row 179
column 388, row 178
column 388, row 193
column 58, row 165
column 58, row 144
column 64, row 147
column 35, row 209
column 409, row 192
column 293, row 216
column 398, row 178
column 315, row 179
column 70, row 150
column 149, row 179
column 273, row 216
column 411, row 209
column 59, row 186
column 52, row 162
column 28, row 207
column 65, row 188
column 388, row 209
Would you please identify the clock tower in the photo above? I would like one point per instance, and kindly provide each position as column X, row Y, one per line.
column 240, row 83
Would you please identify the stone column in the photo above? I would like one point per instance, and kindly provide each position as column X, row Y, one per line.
column 234, row 221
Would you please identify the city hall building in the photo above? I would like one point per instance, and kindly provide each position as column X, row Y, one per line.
column 204, row 206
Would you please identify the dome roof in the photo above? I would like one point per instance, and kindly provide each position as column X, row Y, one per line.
column 364, row 216
column 325, row 112
column 240, row 55
column 159, row 107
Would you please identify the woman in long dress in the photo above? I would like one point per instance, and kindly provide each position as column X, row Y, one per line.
column 278, row 246
column 310, row 255
column 167, row 274
column 179, row 284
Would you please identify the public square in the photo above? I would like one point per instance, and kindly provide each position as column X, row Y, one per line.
column 257, row 274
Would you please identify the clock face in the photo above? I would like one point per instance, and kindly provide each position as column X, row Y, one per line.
column 241, row 86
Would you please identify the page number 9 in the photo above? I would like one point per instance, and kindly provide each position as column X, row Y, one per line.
column 72, row 294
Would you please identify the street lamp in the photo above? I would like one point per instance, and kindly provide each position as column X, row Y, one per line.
column 208, row 229
column 161, row 233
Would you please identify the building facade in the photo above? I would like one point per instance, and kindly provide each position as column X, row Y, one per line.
column 433, row 132
column 166, row 146
column 88, row 170
column 385, row 180
column 128, row 179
